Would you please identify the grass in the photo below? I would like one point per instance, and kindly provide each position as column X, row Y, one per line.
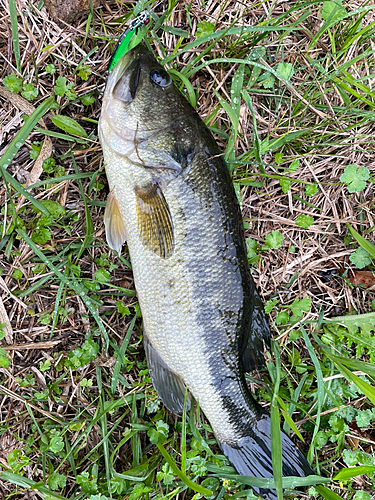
column 288, row 91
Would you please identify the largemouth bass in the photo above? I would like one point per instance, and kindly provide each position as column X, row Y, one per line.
column 172, row 199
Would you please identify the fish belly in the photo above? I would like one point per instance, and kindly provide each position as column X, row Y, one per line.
column 191, row 302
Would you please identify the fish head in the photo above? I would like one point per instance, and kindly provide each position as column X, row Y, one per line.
column 139, row 100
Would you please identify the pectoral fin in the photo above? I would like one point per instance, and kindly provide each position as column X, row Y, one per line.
column 114, row 224
column 155, row 220
column 168, row 385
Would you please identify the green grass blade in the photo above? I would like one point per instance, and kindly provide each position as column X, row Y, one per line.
column 180, row 474
column 24, row 132
column 135, row 441
column 348, row 473
column 124, row 291
column 328, row 494
column 353, row 92
column 306, row 203
column 140, row 473
column 289, row 482
column 121, row 443
column 41, row 282
column 26, row 483
column 73, row 284
column 55, row 315
column 15, row 37
column 321, row 391
column 21, row 190
column 246, row 182
column 70, row 455
column 107, row 407
column 85, row 58
column 277, row 461
column 104, row 430
column 183, row 434
column 90, row 305
column 288, row 418
column 235, row 105
column 92, row 450
column 29, row 411
column 188, row 86
column 334, row 19
column 16, row 144
column 95, row 174
column 227, row 108
column 347, row 64
column 120, row 356
column 88, row 221
column 217, row 35
column 359, row 33
column 292, row 405
column 367, row 245
column 193, row 429
column 62, row 178
column 366, row 388
column 256, row 141
column 366, row 322
column 59, row 135
column 277, row 143
column 276, row 450
column 353, row 364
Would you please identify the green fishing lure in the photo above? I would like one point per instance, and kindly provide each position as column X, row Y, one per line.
column 122, row 46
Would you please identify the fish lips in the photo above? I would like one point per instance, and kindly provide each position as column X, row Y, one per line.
column 127, row 76
column 135, row 66
column 126, row 87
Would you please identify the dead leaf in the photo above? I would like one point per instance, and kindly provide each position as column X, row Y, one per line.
column 69, row 9
column 104, row 361
column 364, row 278
column 20, row 102
column 353, row 441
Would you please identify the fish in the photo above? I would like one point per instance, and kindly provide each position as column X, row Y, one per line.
column 172, row 200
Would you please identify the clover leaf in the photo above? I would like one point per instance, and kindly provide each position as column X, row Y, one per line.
column 360, row 258
column 274, row 239
column 12, row 83
column 29, row 92
column 285, row 70
column 311, row 189
column 304, row 221
column 204, row 28
column 355, row 178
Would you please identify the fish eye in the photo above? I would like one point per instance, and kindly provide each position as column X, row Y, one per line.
column 160, row 78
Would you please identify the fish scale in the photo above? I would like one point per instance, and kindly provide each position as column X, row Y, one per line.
column 173, row 201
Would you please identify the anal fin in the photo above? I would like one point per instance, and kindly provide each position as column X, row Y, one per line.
column 168, row 385
column 114, row 224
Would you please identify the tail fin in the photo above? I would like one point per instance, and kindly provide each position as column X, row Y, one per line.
column 251, row 456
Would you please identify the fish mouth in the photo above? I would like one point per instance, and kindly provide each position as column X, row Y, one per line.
column 127, row 84
column 126, row 77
